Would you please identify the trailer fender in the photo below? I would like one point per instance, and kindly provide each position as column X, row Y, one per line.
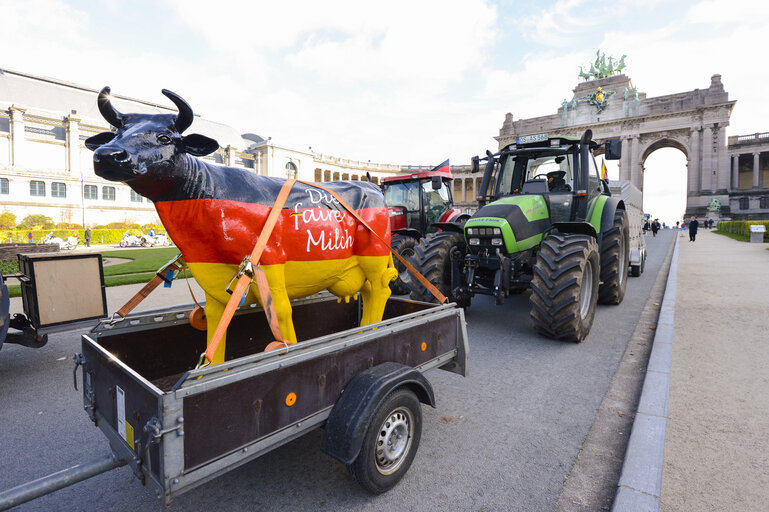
column 346, row 425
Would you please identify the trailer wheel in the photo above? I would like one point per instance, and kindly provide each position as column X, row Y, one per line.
column 635, row 270
column 391, row 442
column 615, row 257
column 433, row 260
column 403, row 245
column 565, row 287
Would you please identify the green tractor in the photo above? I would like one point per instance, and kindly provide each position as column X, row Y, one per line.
column 548, row 223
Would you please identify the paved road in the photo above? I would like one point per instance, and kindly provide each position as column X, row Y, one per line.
column 504, row 438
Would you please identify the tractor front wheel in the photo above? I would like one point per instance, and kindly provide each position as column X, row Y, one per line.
column 403, row 245
column 564, row 288
column 433, row 260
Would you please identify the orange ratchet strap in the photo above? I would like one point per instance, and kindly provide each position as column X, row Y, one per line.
column 249, row 270
column 422, row 279
column 175, row 264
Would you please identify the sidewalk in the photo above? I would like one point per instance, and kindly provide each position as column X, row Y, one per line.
column 717, row 439
column 706, row 393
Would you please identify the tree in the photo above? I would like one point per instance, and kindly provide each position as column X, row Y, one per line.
column 36, row 221
column 7, row 220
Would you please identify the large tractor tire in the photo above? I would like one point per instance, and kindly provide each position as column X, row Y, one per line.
column 433, row 260
column 403, row 245
column 564, row 288
column 615, row 260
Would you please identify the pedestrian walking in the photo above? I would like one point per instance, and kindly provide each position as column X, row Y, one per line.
column 646, row 227
column 655, row 227
column 693, row 225
column 88, row 237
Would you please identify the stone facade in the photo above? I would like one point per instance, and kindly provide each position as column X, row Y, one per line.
column 693, row 122
column 46, row 169
column 749, row 194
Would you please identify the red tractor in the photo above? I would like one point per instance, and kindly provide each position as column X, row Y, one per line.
column 419, row 203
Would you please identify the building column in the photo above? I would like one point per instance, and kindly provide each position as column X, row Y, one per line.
column 73, row 145
column 722, row 161
column 694, row 161
column 17, row 136
column 624, row 162
column 756, row 174
column 636, row 175
column 735, row 172
column 706, row 174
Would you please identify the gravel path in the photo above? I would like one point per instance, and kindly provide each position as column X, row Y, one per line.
column 717, row 437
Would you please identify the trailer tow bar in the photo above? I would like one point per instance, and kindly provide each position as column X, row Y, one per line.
column 64, row 478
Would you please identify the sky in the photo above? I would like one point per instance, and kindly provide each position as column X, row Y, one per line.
column 398, row 82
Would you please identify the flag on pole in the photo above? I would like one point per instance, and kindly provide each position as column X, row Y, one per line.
column 604, row 172
column 444, row 167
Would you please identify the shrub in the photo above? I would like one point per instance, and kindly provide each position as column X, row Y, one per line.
column 742, row 227
column 36, row 221
column 7, row 220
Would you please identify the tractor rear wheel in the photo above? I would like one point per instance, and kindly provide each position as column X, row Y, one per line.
column 433, row 260
column 615, row 259
column 564, row 288
column 403, row 245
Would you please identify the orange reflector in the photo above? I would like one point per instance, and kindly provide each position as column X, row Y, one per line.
column 290, row 399
column 424, row 346
column 581, row 193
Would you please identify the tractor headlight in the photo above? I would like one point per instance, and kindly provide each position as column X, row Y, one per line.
column 497, row 241
column 475, row 241
column 496, row 231
column 471, row 231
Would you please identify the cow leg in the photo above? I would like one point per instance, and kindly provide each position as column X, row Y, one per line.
column 214, row 311
column 276, row 278
column 379, row 272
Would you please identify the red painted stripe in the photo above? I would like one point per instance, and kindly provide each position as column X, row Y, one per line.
column 223, row 231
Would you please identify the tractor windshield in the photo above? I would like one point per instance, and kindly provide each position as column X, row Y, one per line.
column 555, row 168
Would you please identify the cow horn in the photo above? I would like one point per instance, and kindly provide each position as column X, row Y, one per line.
column 107, row 110
column 184, row 119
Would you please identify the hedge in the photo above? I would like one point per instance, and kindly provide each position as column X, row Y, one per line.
column 742, row 227
column 98, row 236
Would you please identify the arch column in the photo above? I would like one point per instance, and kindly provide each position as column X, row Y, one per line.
column 694, row 161
column 624, row 163
column 735, row 172
column 636, row 172
column 706, row 174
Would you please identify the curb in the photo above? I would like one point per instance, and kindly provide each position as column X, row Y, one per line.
column 640, row 483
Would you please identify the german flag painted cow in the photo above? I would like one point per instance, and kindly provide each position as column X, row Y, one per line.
column 214, row 214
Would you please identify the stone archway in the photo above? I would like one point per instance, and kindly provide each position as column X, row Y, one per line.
column 694, row 122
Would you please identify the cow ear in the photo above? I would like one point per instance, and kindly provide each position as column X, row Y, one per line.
column 199, row 145
column 99, row 140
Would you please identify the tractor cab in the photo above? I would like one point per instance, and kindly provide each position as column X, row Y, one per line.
column 417, row 201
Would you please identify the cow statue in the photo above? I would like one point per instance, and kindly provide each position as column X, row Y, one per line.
column 215, row 214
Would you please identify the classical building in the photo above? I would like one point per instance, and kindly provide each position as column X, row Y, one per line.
column 46, row 169
column 736, row 175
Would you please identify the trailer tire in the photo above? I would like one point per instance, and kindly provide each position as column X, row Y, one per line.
column 390, row 444
column 564, row 288
column 433, row 260
column 615, row 257
column 403, row 245
column 635, row 270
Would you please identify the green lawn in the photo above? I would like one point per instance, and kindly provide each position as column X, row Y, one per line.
column 142, row 267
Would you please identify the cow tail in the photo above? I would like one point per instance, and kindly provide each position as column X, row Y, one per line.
column 391, row 273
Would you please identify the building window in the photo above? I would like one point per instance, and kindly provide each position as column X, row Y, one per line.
column 763, row 202
column 108, row 193
column 4, row 188
column 291, row 171
column 135, row 197
column 90, row 192
column 744, row 203
column 58, row 189
column 37, row 188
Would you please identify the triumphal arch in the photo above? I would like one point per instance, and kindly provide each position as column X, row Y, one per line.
column 693, row 122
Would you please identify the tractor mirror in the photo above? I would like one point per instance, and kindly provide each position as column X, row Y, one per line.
column 474, row 165
column 613, row 149
column 437, row 182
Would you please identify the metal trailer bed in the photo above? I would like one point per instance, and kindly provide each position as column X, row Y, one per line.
column 179, row 427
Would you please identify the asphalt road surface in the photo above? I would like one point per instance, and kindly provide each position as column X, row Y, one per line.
column 504, row 438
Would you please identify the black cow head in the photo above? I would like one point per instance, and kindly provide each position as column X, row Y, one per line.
column 145, row 150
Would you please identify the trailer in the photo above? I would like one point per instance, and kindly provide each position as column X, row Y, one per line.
column 633, row 199
column 179, row 425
